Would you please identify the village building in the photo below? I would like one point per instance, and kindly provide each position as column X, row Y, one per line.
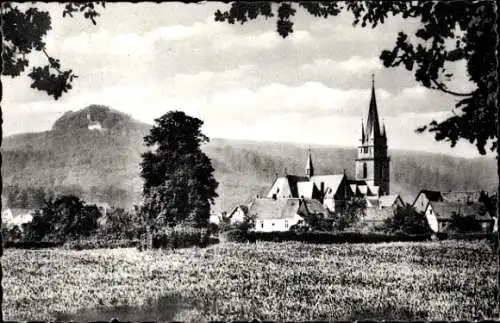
column 371, row 181
column 440, row 215
column 16, row 217
column 238, row 214
column 439, row 208
column 281, row 214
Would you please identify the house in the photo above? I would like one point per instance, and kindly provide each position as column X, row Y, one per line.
column 281, row 214
column 16, row 216
column 238, row 214
column 275, row 214
column 440, row 214
column 424, row 197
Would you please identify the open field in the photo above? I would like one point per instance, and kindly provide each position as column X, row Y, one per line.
column 270, row 281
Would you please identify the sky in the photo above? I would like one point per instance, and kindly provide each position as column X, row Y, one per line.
column 243, row 81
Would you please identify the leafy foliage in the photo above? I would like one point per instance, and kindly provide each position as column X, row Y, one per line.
column 464, row 223
column 353, row 213
column 23, row 32
column 178, row 177
column 450, row 31
column 407, row 220
column 121, row 224
column 62, row 219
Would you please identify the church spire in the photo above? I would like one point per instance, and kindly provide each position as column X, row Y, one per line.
column 309, row 166
column 383, row 128
column 362, row 131
column 372, row 124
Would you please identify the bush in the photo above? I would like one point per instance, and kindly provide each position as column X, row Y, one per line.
column 179, row 237
column 96, row 243
column 120, row 224
column 31, row 244
column 406, row 220
column 238, row 235
column 319, row 237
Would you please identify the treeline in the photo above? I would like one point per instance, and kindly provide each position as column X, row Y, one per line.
column 70, row 222
column 32, row 197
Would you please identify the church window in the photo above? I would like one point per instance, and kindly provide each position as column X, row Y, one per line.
column 365, row 170
column 286, row 223
column 365, row 150
column 262, row 224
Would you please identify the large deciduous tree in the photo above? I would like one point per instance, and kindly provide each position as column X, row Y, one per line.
column 179, row 185
column 450, row 31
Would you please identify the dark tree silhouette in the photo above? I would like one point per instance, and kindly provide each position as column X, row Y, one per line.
column 408, row 220
column 23, row 32
column 178, row 177
column 450, row 31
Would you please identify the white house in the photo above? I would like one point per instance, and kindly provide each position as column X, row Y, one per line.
column 238, row 214
column 275, row 214
column 282, row 214
column 424, row 197
column 14, row 216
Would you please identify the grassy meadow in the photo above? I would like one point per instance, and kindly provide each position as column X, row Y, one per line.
column 268, row 281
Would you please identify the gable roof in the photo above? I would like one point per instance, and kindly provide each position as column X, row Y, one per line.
column 373, row 190
column 243, row 207
column 266, row 209
column 461, row 197
column 331, row 182
column 444, row 210
column 388, row 200
column 434, row 196
column 314, row 206
column 305, row 189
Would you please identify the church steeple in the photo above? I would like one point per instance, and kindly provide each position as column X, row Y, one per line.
column 362, row 131
column 372, row 124
column 309, row 166
column 372, row 164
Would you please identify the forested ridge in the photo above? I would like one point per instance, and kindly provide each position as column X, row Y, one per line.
column 103, row 166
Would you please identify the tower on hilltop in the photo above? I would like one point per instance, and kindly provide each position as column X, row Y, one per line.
column 372, row 164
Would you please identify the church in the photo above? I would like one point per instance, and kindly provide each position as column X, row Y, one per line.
column 372, row 175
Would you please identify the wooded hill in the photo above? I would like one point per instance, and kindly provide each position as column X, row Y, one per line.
column 103, row 166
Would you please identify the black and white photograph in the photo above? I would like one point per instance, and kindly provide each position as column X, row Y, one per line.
column 249, row 161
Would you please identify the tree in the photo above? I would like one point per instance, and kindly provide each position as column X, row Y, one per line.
column 408, row 220
column 23, row 33
column 178, row 177
column 450, row 31
column 354, row 211
column 64, row 218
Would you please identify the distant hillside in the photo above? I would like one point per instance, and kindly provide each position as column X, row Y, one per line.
column 98, row 162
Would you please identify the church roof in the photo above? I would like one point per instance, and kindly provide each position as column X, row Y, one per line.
column 363, row 189
column 331, row 182
column 305, row 189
